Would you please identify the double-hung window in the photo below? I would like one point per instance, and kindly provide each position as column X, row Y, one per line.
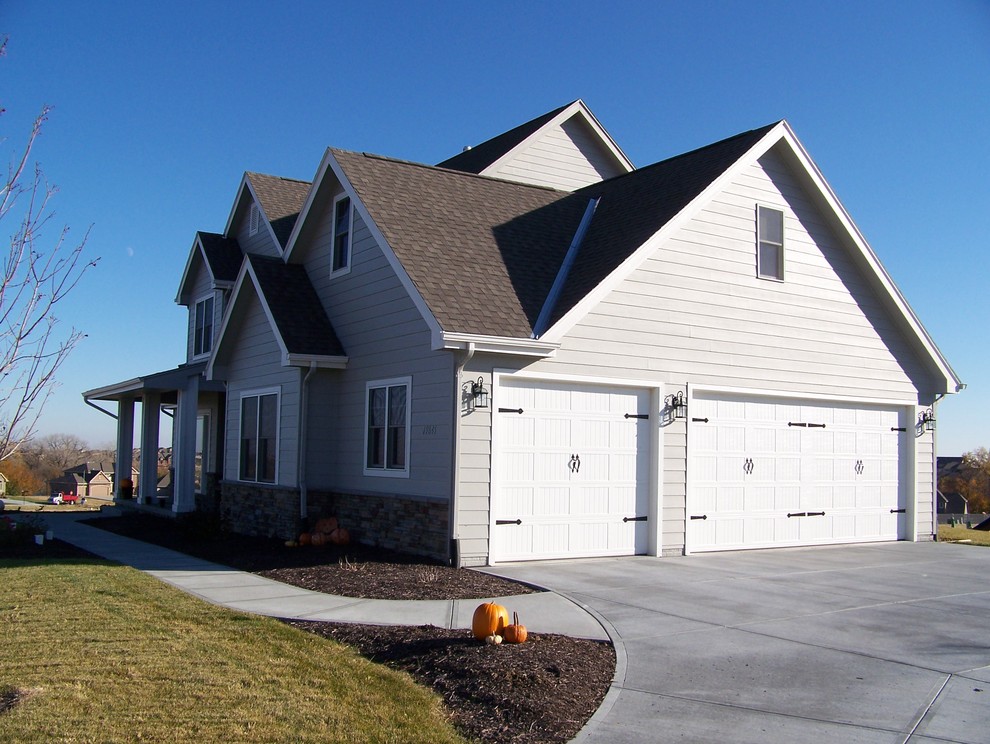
column 387, row 419
column 203, row 330
column 340, row 261
column 770, row 242
column 259, row 436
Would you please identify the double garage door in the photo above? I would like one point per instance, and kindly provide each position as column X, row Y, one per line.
column 769, row 472
column 573, row 472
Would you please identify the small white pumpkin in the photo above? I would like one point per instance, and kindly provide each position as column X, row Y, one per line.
column 493, row 640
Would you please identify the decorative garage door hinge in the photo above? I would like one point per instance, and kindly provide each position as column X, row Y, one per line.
column 806, row 426
column 637, row 415
column 898, row 511
column 508, row 521
column 700, row 420
column 635, row 519
column 699, row 516
column 510, row 410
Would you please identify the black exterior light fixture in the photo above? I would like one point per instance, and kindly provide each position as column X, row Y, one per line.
column 479, row 393
column 676, row 405
column 926, row 420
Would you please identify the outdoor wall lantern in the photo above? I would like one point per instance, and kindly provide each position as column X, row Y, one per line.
column 479, row 393
column 676, row 404
column 926, row 420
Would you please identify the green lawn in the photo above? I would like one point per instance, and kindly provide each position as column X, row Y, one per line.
column 99, row 652
column 956, row 534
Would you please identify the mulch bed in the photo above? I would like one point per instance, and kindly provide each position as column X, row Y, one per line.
column 543, row 690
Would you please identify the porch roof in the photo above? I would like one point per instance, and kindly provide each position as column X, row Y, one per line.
column 157, row 382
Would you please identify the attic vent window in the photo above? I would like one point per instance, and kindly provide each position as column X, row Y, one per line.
column 770, row 243
column 255, row 221
column 340, row 261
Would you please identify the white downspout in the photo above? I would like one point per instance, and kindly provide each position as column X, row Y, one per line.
column 303, row 441
column 455, row 465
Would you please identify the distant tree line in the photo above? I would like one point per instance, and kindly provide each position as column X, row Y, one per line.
column 972, row 480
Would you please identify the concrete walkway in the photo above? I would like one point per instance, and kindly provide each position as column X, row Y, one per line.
column 882, row 642
column 544, row 612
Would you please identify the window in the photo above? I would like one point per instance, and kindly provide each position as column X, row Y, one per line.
column 340, row 260
column 770, row 237
column 202, row 450
column 255, row 220
column 259, row 436
column 388, row 428
column 203, row 332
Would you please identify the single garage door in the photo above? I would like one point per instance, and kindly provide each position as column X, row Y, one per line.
column 572, row 471
column 767, row 472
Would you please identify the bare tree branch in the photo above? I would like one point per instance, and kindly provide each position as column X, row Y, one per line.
column 35, row 279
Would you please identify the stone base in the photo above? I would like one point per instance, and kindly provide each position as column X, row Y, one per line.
column 400, row 523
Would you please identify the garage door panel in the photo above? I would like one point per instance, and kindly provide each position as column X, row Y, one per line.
column 833, row 467
column 571, row 466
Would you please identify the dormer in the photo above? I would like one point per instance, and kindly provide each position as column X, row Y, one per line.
column 210, row 272
column 265, row 212
column 565, row 149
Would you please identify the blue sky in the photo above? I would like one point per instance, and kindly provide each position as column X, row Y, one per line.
column 159, row 108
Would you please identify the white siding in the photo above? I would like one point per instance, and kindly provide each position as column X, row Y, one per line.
column 695, row 312
column 565, row 157
column 256, row 364
column 925, row 465
column 384, row 336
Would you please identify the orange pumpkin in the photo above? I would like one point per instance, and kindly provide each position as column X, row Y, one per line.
column 516, row 633
column 318, row 539
column 327, row 525
column 489, row 619
column 305, row 538
column 340, row 536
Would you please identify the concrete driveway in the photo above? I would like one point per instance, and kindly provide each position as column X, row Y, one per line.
column 885, row 642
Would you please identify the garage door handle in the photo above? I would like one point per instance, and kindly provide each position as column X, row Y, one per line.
column 699, row 516
column 508, row 521
column 898, row 511
column 635, row 519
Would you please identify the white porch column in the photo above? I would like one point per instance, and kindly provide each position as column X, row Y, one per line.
column 184, row 448
column 125, row 443
column 150, row 418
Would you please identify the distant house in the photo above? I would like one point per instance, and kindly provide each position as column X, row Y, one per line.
column 534, row 349
column 3, row 484
column 84, row 481
column 951, row 502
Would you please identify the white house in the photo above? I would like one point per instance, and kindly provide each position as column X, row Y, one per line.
column 535, row 350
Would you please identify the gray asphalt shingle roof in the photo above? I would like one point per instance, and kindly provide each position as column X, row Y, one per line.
column 222, row 254
column 282, row 199
column 484, row 252
column 296, row 309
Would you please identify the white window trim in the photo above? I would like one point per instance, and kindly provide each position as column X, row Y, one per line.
column 759, row 242
column 346, row 269
column 213, row 323
column 386, row 472
column 257, row 393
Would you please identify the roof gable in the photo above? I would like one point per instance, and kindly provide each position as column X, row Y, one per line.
column 297, row 319
column 220, row 256
column 565, row 148
column 279, row 199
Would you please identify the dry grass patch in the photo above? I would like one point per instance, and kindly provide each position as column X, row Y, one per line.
column 122, row 657
column 961, row 533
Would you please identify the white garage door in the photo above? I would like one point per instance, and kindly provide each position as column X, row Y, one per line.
column 572, row 474
column 769, row 472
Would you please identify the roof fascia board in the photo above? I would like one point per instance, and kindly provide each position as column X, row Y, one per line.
column 246, row 273
column 316, row 185
column 117, row 388
column 197, row 243
column 400, row 271
column 496, row 344
column 557, row 331
column 894, row 294
column 576, row 108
